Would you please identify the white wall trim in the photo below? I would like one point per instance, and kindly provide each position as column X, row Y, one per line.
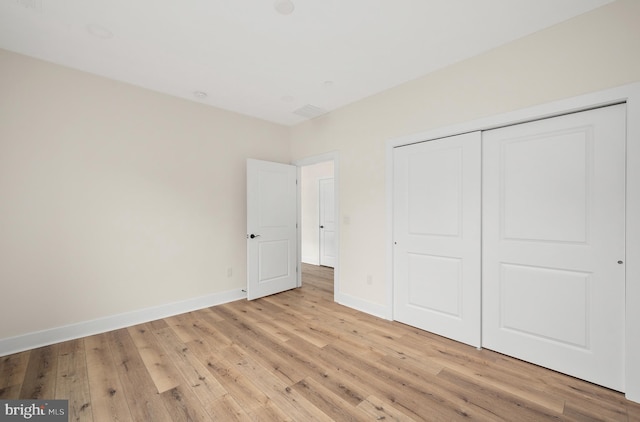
column 365, row 306
column 629, row 94
column 309, row 259
column 101, row 325
column 316, row 159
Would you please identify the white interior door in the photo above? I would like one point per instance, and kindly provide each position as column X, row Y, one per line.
column 436, row 216
column 271, row 228
column 327, row 223
column 553, row 243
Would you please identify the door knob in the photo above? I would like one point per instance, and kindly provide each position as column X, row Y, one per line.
column 322, row 227
column 253, row 236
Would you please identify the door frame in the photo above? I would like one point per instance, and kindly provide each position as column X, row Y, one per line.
column 307, row 161
column 629, row 94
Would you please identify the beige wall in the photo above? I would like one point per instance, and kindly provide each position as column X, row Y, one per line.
column 114, row 198
column 594, row 51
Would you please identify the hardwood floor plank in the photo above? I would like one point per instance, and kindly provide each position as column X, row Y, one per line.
column 303, row 330
column 575, row 392
column 227, row 409
column 12, row 370
column 384, row 384
column 419, row 364
column 241, row 388
column 582, row 414
column 333, row 380
column 497, row 403
column 269, row 412
column 267, row 307
column 184, row 406
column 405, row 374
column 204, row 326
column 485, row 366
column 10, row 393
column 107, row 394
column 183, row 325
column 194, row 373
column 633, row 411
column 40, row 376
column 442, row 395
column 379, row 410
column 139, row 389
column 276, row 356
column 507, row 381
column 164, row 374
column 72, row 380
column 329, row 403
column 274, row 330
column 158, row 324
column 284, row 396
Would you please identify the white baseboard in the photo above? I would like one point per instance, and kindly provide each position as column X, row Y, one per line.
column 362, row 305
column 102, row 325
column 313, row 260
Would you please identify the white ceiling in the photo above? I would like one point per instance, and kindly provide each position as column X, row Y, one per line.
column 250, row 59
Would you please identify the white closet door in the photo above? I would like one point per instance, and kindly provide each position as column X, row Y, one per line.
column 436, row 215
column 553, row 243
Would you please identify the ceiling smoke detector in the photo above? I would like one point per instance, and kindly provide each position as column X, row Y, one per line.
column 284, row 7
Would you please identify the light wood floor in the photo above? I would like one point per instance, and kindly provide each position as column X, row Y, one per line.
column 295, row 356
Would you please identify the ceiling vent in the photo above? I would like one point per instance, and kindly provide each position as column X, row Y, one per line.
column 309, row 111
column 30, row 4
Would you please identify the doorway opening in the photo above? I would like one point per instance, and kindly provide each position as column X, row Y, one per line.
column 318, row 215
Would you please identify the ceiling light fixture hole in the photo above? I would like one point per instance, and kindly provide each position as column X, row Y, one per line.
column 284, row 7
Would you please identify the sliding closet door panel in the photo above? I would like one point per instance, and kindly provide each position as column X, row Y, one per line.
column 553, row 243
column 437, row 236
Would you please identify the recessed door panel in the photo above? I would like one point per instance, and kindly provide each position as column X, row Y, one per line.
column 435, row 284
column 435, row 199
column 273, row 192
column 274, row 259
column 545, row 180
column 546, row 303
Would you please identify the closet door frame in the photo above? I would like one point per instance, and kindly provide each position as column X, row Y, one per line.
column 629, row 94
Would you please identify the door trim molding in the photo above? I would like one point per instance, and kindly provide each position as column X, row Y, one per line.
column 307, row 161
column 629, row 94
